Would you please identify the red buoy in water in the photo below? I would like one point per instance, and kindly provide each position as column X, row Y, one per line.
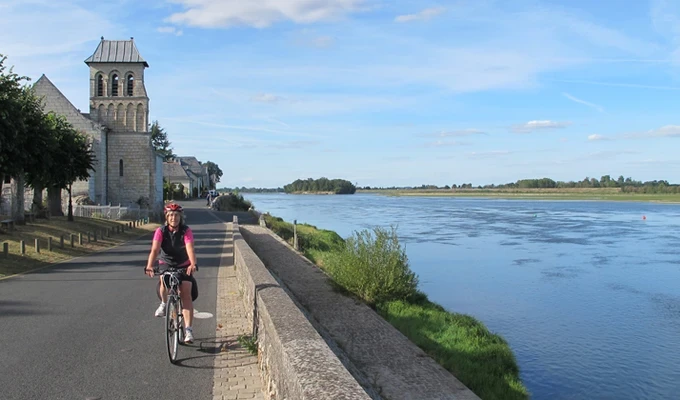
column 644, row 217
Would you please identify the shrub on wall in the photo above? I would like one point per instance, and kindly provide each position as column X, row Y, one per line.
column 232, row 202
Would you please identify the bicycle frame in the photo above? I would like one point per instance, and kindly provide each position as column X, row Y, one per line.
column 174, row 319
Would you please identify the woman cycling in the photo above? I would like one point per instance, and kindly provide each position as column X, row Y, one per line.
column 175, row 243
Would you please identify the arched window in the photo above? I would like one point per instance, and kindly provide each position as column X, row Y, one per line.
column 120, row 167
column 130, row 84
column 114, row 85
column 100, row 85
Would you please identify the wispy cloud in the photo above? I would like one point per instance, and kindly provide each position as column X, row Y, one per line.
column 580, row 101
column 446, row 143
column 532, row 126
column 260, row 14
column 267, row 98
column 596, row 137
column 489, row 154
column 663, row 132
column 617, row 84
column 455, row 133
column 170, row 29
column 425, row 14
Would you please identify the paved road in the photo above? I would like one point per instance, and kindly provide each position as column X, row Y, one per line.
column 85, row 329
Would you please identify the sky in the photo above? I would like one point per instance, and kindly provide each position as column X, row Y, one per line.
column 385, row 93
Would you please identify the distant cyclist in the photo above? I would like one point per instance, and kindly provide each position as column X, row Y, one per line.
column 175, row 243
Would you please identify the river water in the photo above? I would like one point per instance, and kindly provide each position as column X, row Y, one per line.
column 586, row 293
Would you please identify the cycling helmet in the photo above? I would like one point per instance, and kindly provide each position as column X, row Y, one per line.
column 173, row 207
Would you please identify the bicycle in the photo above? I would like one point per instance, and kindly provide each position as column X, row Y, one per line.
column 174, row 319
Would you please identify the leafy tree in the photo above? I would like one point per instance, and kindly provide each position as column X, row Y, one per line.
column 214, row 173
column 160, row 142
column 337, row 186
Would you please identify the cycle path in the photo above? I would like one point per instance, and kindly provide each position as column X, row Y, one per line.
column 85, row 329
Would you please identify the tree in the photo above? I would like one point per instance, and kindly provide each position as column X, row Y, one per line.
column 214, row 173
column 160, row 142
column 69, row 158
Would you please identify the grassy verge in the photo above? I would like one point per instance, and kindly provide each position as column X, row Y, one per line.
column 55, row 227
column 373, row 267
column 607, row 194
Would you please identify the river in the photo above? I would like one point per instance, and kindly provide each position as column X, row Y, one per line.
column 587, row 293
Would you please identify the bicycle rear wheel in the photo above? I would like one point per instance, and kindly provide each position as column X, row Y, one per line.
column 171, row 329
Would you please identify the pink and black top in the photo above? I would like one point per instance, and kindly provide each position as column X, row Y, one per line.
column 173, row 245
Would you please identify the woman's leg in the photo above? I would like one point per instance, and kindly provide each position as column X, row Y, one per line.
column 187, row 304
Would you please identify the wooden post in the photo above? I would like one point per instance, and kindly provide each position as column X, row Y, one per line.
column 22, row 244
column 89, row 237
column 61, row 242
column 5, row 249
column 95, row 235
column 295, row 239
column 80, row 239
column 37, row 245
column 73, row 239
column 49, row 243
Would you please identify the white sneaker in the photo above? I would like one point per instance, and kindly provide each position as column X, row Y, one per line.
column 188, row 335
column 160, row 311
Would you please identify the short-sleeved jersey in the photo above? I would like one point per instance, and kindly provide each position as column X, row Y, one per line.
column 173, row 245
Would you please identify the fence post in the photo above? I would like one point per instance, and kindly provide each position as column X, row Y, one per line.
column 5, row 249
column 89, row 237
column 80, row 239
column 37, row 245
column 49, row 243
column 61, row 242
column 22, row 244
column 73, row 238
column 95, row 235
column 295, row 240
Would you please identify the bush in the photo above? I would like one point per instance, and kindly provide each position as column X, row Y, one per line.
column 373, row 266
column 232, row 202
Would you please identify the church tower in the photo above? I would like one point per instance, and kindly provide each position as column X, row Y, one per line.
column 118, row 97
column 119, row 102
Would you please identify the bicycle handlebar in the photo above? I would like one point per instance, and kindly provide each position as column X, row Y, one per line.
column 158, row 272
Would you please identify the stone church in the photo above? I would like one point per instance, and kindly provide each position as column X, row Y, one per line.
column 127, row 167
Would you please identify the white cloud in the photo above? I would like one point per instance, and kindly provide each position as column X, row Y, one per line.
column 577, row 100
column 596, row 137
column 458, row 133
column 425, row 14
column 170, row 29
column 663, row 132
column 260, row 14
column 532, row 126
column 665, row 15
column 446, row 143
column 489, row 154
column 267, row 98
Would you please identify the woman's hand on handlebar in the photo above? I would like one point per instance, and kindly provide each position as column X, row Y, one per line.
column 149, row 272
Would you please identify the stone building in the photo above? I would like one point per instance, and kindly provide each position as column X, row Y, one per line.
column 127, row 167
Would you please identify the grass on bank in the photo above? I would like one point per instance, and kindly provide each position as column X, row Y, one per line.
column 374, row 267
column 41, row 229
column 597, row 194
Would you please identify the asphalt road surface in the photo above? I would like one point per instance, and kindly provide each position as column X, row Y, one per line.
column 85, row 329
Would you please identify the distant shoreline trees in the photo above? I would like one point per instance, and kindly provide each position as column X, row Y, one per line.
column 321, row 185
column 626, row 185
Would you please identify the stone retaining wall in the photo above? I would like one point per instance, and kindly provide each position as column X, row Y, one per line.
column 295, row 361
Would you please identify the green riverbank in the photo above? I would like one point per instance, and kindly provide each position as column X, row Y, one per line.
column 372, row 266
column 538, row 194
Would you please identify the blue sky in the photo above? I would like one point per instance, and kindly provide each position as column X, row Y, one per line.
column 385, row 93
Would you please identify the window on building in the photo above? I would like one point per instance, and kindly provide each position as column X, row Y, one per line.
column 114, row 85
column 8, row 179
column 100, row 85
column 130, row 85
column 120, row 167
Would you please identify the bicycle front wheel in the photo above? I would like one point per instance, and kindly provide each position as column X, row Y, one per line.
column 172, row 329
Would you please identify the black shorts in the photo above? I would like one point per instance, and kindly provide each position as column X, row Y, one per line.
column 182, row 277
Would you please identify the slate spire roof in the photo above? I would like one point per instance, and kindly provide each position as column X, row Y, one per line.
column 116, row 51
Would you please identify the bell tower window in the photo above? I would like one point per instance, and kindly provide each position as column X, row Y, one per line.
column 100, row 85
column 130, row 85
column 120, row 167
column 114, row 85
